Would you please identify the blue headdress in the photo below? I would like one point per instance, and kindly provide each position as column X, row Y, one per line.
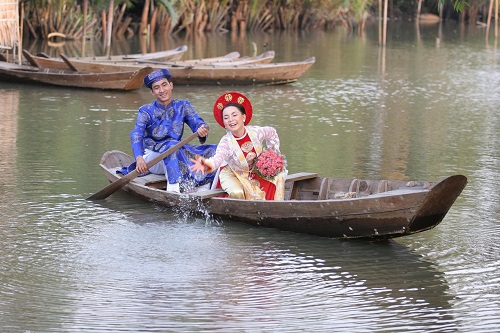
column 157, row 75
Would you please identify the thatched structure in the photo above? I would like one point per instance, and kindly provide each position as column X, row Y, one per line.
column 9, row 26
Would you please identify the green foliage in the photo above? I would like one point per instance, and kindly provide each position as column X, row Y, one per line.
column 459, row 5
column 169, row 6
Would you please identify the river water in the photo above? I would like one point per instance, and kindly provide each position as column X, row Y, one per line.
column 424, row 108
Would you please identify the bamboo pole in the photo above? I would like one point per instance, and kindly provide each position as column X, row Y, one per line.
column 19, row 31
column 488, row 21
column 496, row 19
column 85, row 10
column 84, row 29
column 379, row 22
column 110, row 26
column 384, row 33
column 144, row 19
column 419, row 10
column 104, row 26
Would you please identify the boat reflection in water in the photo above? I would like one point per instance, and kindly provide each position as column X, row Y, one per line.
column 348, row 280
column 307, row 282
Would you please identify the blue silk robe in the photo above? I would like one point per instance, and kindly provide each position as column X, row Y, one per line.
column 160, row 127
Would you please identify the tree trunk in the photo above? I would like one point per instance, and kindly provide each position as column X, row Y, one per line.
column 384, row 31
column 121, row 31
column 110, row 26
column 85, row 10
column 154, row 18
column 419, row 10
column 104, row 26
column 144, row 20
column 496, row 19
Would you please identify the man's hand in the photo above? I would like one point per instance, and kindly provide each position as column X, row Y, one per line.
column 141, row 165
column 202, row 131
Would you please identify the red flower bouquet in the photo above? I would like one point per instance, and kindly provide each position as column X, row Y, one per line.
column 269, row 164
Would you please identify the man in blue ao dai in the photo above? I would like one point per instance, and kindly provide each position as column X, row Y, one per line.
column 159, row 126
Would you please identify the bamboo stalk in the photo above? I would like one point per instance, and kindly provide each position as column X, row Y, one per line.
column 496, row 19
column 85, row 10
column 123, row 27
column 144, row 18
column 152, row 24
column 110, row 25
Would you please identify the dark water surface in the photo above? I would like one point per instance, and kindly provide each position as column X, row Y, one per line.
column 424, row 109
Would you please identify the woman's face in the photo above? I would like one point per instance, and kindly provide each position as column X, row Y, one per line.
column 234, row 120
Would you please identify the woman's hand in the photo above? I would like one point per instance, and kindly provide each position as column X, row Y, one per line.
column 197, row 166
column 250, row 157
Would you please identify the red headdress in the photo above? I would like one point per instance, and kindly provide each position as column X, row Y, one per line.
column 232, row 97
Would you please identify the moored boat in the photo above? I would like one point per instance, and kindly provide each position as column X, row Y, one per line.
column 123, row 80
column 230, row 59
column 263, row 58
column 224, row 73
column 166, row 55
column 42, row 60
column 322, row 206
column 215, row 74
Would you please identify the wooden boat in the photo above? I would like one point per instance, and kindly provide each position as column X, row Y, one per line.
column 263, row 58
column 166, row 55
column 215, row 74
column 223, row 73
column 233, row 58
column 241, row 74
column 322, row 206
column 42, row 60
column 124, row 80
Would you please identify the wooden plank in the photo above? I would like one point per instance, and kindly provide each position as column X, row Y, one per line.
column 296, row 177
column 208, row 193
column 300, row 176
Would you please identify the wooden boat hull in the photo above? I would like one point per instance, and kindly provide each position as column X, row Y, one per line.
column 263, row 58
column 125, row 80
column 216, row 74
column 167, row 55
column 315, row 205
column 228, row 59
column 44, row 61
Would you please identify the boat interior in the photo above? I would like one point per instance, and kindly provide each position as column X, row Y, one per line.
column 310, row 186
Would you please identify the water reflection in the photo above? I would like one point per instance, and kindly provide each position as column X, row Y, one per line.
column 72, row 265
column 133, row 263
column 8, row 132
column 353, row 279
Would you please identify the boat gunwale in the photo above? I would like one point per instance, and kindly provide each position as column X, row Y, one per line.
column 371, row 217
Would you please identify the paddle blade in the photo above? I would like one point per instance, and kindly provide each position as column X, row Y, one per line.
column 113, row 187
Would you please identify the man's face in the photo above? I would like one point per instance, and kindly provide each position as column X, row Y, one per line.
column 162, row 90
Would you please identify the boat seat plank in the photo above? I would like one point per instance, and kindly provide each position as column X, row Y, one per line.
column 300, row 176
column 8, row 65
column 357, row 188
column 208, row 193
column 150, row 179
column 294, row 178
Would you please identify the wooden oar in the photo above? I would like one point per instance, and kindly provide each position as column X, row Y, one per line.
column 166, row 64
column 30, row 58
column 115, row 186
column 68, row 62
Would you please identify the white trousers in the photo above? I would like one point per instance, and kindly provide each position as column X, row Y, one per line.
column 159, row 169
